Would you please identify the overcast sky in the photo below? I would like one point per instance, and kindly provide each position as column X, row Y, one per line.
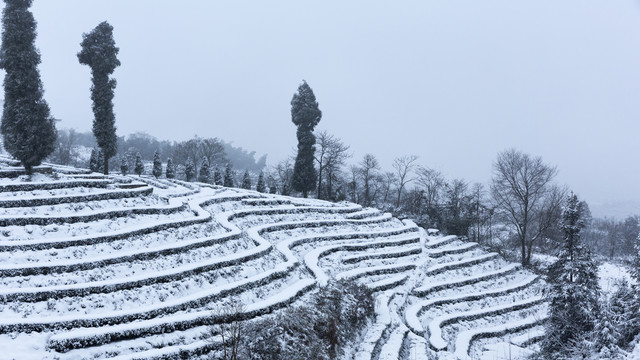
column 453, row 82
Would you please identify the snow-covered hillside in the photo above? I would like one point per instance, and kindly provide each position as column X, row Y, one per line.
column 134, row 268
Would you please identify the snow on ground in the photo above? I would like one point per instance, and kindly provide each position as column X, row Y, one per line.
column 609, row 274
column 144, row 280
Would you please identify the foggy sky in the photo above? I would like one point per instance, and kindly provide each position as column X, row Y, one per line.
column 453, row 82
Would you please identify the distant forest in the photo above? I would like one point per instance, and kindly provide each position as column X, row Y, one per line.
column 74, row 148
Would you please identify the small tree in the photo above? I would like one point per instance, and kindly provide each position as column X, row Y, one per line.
column 157, row 165
column 170, row 172
column 93, row 160
column 124, row 166
column 189, row 171
column 139, row 168
column 305, row 114
column 260, row 186
column 99, row 52
column 217, row 177
column 28, row 129
column 246, row 180
column 228, row 176
column 205, row 173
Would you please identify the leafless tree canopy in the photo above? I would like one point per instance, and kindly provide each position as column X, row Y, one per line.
column 525, row 196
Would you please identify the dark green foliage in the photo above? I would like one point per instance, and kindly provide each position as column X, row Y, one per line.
column 170, row 172
column 28, row 129
column 189, row 170
column 157, row 165
column 305, row 114
column 624, row 306
column 205, row 172
column 260, row 186
column 100, row 54
column 320, row 330
column 124, row 166
column 228, row 176
column 246, row 180
column 139, row 168
column 217, row 177
column 93, row 160
column 573, row 291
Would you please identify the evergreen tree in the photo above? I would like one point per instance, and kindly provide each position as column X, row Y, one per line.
column 28, row 129
column 170, row 172
column 217, row 177
column 625, row 309
column 305, row 114
column 260, row 186
column 124, row 166
column 157, row 165
column 189, row 171
column 205, row 172
column 100, row 54
column 228, row 176
column 93, row 160
column 246, row 180
column 573, row 291
column 139, row 169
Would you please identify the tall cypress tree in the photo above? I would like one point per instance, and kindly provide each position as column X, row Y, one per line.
column 28, row 129
column 157, row 165
column 189, row 171
column 170, row 172
column 205, row 172
column 217, row 177
column 99, row 51
column 261, row 186
column 139, row 168
column 573, row 290
column 305, row 114
column 246, row 180
column 228, row 176
column 124, row 166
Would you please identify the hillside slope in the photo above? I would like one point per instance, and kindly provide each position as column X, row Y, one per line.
column 133, row 268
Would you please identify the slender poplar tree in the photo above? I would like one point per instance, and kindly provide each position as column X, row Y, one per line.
column 28, row 129
column 305, row 114
column 99, row 51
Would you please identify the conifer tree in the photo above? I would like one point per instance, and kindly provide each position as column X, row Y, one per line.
column 99, row 163
column 93, row 160
column 261, row 186
column 139, row 168
column 124, row 166
column 205, row 172
column 246, row 180
column 99, row 52
column 189, row 171
column 28, row 129
column 157, row 165
column 305, row 114
column 228, row 176
column 573, row 291
column 170, row 172
column 217, row 177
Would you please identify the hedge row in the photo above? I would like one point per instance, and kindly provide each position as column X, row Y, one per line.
column 452, row 251
column 49, row 220
column 54, row 185
column 440, row 268
column 15, row 172
column 467, row 281
column 64, row 344
column 107, row 320
column 116, row 194
column 385, row 255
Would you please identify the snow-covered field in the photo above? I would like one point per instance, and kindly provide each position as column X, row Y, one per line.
column 137, row 268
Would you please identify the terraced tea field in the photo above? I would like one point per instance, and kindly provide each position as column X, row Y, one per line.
column 95, row 267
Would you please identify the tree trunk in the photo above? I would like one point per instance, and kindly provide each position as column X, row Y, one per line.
column 106, row 165
column 305, row 194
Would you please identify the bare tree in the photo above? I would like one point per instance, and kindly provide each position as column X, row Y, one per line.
column 432, row 182
column 230, row 329
column 523, row 192
column 330, row 156
column 387, row 180
column 213, row 150
column 403, row 166
column 369, row 168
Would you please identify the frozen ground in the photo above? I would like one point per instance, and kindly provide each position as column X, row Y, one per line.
column 144, row 281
